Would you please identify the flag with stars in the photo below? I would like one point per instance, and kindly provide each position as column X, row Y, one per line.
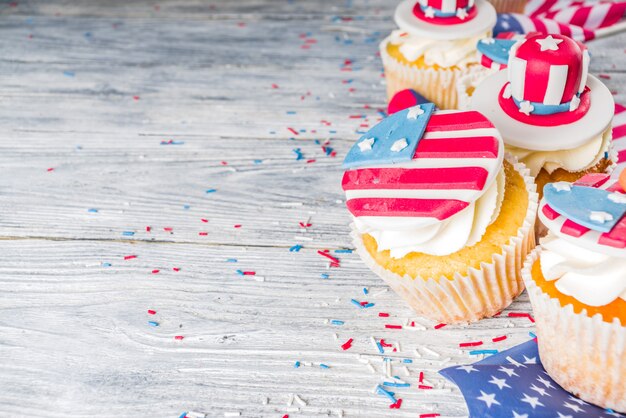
column 514, row 384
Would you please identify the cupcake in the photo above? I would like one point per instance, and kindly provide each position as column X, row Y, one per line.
column 553, row 116
column 435, row 45
column 439, row 213
column 576, row 281
column 509, row 6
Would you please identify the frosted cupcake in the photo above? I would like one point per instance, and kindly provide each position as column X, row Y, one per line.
column 553, row 116
column 435, row 45
column 439, row 213
column 577, row 287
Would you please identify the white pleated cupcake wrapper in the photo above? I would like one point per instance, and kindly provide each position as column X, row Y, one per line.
column 509, row 6
column 438, row 86
column 470, row 80
column 479, row 294
column 585, row 355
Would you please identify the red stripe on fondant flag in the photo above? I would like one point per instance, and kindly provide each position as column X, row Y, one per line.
column 477, row 147
column 457, row 178
column 433, row 208
column 457, row 122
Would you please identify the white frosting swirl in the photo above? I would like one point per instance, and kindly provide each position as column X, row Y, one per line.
column 575, row 159
column 463, row 229
column 593, row 278
column 459, row 52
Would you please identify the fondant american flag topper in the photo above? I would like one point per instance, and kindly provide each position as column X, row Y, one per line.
column 421, row 165
column 589, row 213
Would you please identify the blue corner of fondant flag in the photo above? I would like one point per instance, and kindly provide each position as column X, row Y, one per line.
column 383, row 144
column 496, row 49
column 507, row 22
column 514, row 384
column 587, row 206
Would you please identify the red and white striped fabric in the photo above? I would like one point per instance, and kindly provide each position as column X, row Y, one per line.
column 455, row 161
column 619, row 137
column 447, row 6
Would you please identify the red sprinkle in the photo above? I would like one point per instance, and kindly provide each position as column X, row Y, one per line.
column 293, row 131
column 204, row 220
column 307, row 225
column 396, row 405
column 202, row 234
column 347, row 344
column 312, row 160
column 168, row 229
column 471, row 344
column 176, row 268
column 383, row 314
column 424, row 387
column 237, row 226
column 249, row 273
column 604, row 76
column 521, row 315
column 391, row 326
column 148, row 228
column 50, row 169
column 330, row 257
column 438, row 326
column 129, row 257
column 178, row 337
column 151, row 312
column 155, row 271
column 429, row 415
column 421, row 378
column 274, row 85
column 136, row 97
column 498, row 339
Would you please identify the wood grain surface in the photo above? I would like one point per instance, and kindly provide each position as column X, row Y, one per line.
column 182, row 117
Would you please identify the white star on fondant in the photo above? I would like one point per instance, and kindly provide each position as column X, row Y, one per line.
column 461, row 13
column 573, row 105
column 501, row 383
column 507, row 91
column 429, row 12
column 617, row 197
column 399, row 145
column 508, row 371
column 488, row 398
column 545, row 382
column 514, row 362
column 516, row 415
column 549, row 43
column 577, row 400
column 488, row 41
column 600, row 216
column 562, row 186
column 414, row 112
column 531, row 360
column 468, row 368
column 526, row 108
column 564, row 416
column 534, row 402
column 366, row 144
column 573, row 407
column 539, row 390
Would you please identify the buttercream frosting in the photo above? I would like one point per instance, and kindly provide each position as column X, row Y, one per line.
column 445, row 53
column 461, row 230
column 575, row 159
column 593, row 278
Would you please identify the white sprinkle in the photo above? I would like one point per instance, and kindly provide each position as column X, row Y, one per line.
column 617, row 197
column 431, row 352
column 399, row 145
column 339, row 413
column 265, row 401
column 291, row 204
column 232, row 414
column 290, row 400
column 336, row 336
column 258, row 278
column 507, row 92
column 388, row 368
column 600, row 217
column 372, row 369
column 194, row 414
column 299, row 400
column 406, row 371
column 398, row 349
column 292, row 409
column 374, row 344
column 303, row 238
column 307, row 363
column 380, row 292
column 417, row 353
column 562, row 186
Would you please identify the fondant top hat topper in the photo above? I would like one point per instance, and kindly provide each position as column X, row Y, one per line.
column 547, row 77
column 446, row 19
column 445, row 12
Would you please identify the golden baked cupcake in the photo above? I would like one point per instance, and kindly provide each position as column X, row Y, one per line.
column 554, row 116
column 439, row 213
column 509, row 6
column 576, row 281
column 435, row 45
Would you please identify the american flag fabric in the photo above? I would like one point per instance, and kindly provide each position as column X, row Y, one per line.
column 514, row 384
column 619, row 137
column 396, row 171
column 577, row 19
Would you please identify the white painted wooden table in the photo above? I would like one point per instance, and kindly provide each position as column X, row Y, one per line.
column 89, row 92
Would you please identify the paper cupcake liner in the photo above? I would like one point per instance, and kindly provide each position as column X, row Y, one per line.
column 509, row 6
column 469, row 80
column 438, row 86
column 583, row 354
column 481, row 292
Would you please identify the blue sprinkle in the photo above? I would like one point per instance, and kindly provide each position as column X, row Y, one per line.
column 291, row 112
column 337, row 322
column 343, row 251
column 92, row 210
column 231, row 260
column 332, row 132
column 106, row 264
column 328, row 150
column 69, row 73
column 87, row 34
column 386, row 393
column 369, row 305
column 258, row 161
column 172, row 142
column 128, row 233
column 298, row 153
column 324, row 276
column 477, row 352
column 295, row 248
column 407, row 360
column 380, row 347
column 324, row 366
column 186, row 206
column 240, row 272
column 183, row 415
column 153, row 323
column 365, row 291
column 296, row 364
column 356, row 303
column 396, row 385
column 532, row 334
column 302, row 130
column 272, row 132
column 211, row 190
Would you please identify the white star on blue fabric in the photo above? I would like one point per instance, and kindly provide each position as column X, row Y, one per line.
column 549, row 43
column 399, row 145
column 501, row 383
column 617, row 197
column 545, row 382
column 539, row 390
column 564, row 416
column 366, row 144
column 468, row 368
column 573, row 407
column 516, row 415
column 534, row 402
column 414, row 112
column 488, row 398
column 600, row 217
column 577, row 400
column 488, row 41
column 514, row 362
column 508, row 371
column 562, row 186
column 531, row 360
